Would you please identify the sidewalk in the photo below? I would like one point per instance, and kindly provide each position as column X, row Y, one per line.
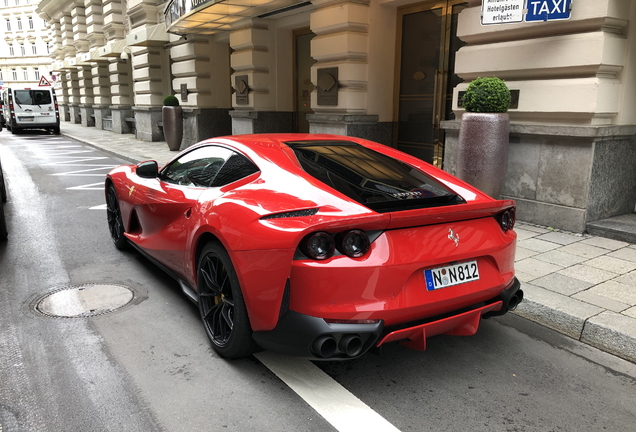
column 579, row 285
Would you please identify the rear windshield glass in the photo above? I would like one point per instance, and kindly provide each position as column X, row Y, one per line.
column 373, row 179
column 32, row 97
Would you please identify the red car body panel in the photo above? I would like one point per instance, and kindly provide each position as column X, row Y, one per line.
column 168, row 222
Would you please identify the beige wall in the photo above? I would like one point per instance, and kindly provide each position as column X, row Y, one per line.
column 574, row 71
column 382, row 39
column 627, row 107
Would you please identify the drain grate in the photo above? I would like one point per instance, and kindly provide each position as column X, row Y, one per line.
column 79, row 301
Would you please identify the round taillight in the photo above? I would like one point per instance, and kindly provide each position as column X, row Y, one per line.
column 354, row 243
column 318, row 246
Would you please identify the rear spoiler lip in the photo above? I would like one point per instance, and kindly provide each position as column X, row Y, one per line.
column 446, row 214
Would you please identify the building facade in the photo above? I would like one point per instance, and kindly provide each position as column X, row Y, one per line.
column 387, row 70
column 24, row 51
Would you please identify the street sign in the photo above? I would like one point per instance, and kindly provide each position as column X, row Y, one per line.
column 44, row 82
column 502, row 11
column 548, row 10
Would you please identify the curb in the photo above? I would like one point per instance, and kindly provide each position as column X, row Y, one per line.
column 608, row 331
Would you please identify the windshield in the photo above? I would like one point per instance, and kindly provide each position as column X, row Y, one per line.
column 32, row 97
column 373, row 179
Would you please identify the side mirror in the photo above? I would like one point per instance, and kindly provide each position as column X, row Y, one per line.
column 147, row 169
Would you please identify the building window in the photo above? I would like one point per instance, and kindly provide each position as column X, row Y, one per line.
column 45, row 23
column 8, row 25
column 48, row 48
column 25, row 73
column 14, row 74
column 6, row 3
column 1, row 79
column 22, row 50
column 11, row 51
column 19, row 20
column 34, row 49
column 37, row 74
column 31, row 23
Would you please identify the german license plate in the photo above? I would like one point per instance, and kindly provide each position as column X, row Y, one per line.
column 447, row 276
column 25, row 118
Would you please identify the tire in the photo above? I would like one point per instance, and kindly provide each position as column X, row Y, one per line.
column 56, row 130
column 3, row 224
column 221, row 304
column 14, row 130
column 115, row 222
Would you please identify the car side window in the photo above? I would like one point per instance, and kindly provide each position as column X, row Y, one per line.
column 208, row 166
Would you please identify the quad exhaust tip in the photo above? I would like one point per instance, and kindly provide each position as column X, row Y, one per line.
column 350, row 345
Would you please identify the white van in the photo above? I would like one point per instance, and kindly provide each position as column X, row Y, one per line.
column 30, row 108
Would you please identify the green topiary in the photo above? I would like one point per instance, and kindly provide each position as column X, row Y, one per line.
column 170, row 100
column 487, row 95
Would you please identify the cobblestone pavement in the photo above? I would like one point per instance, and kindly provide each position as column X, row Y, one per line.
column 579, row 285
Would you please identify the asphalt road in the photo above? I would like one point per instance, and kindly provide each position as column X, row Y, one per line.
column 149, row 366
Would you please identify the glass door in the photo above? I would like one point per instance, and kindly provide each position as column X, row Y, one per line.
column 427, row 43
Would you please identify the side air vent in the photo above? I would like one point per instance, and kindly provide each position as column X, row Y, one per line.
column 291, row 214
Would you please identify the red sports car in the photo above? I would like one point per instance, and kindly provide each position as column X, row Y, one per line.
column 318, row 246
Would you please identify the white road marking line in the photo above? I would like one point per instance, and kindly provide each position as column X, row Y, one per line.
column 92, row 186
column 99, row 207
column 336, row 404
column 75, row 173
column 75, row 161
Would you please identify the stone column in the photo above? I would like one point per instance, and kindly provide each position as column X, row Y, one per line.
column 121, row 95
column 74, row 97
column 94, row 23
column 203, row 67
column 99, row 70
column 101, row 92
column 120, row 70
column 148, row 86
column 341, row 42
column 66, row 29
column 151, row 66
column 253, row 62
column 87, row 100
column 65, row 114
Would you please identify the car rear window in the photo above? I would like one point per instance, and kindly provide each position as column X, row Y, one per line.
column 373, row 179
column 33, row 97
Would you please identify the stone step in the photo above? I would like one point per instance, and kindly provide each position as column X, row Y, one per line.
column 621, row 228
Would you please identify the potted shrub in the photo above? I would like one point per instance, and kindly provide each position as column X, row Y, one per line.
column 171, row 116
column 482, row 153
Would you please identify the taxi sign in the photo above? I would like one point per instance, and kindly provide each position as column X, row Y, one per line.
column 44, row 82
column 548, row 10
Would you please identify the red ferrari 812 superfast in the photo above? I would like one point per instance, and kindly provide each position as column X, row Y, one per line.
column 318, row 246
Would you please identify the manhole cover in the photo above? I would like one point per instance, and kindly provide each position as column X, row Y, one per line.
column 84, row 300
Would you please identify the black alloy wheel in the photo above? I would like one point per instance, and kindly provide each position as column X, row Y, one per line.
column 115, row 222
column 221, row 304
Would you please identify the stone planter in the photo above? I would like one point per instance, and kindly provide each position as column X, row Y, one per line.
column 172, row 119
column 482, row 151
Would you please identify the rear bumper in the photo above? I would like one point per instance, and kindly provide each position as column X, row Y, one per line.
column 310, row 337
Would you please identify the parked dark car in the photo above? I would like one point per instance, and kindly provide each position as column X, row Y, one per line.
column 3, row 199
